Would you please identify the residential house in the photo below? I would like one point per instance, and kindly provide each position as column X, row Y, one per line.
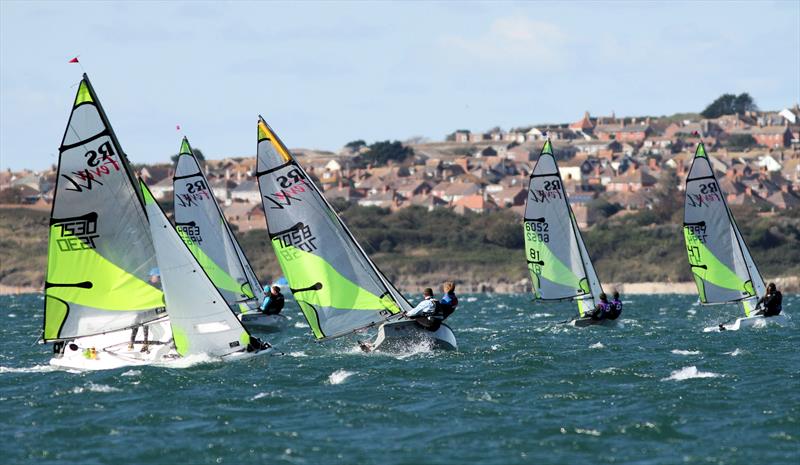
column 459, row 190
column 246, row 191
column 477, row 203
column 509, row 196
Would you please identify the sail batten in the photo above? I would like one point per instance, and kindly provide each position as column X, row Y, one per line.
column 338, row 288
column 558, row 262
column 199, row 217
column 100, row 255
column 723, row 269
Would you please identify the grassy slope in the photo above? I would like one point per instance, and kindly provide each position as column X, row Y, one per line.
column 417, row 246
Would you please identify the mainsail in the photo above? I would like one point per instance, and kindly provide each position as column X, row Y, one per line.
column 201, row 320
column 559, row 264
column 723, row 268
column 335, row 283
column 100, row 257
column 200, row 219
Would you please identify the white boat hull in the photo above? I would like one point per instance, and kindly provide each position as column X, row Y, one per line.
column 257, row 321
column 758, row 321
column 111, row 350
column 398, row 335
column 584, row 322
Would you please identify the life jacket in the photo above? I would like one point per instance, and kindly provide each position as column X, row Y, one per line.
column 448, row 304
column 604, row 308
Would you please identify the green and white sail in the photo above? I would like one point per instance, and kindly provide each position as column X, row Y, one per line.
column 723, row 268
column 201, row 320
column 339, row 289
column 558, row 262
column 200, row 219
column 100, row 256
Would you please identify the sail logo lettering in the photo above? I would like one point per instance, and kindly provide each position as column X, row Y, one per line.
column 709, row 192
column 294, row 176
column 100, row 162
column 285, row 197
column 300, row 238
column 544, row 195
column 78, row 234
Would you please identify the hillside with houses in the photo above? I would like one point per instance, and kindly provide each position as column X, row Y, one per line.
column 613, row 167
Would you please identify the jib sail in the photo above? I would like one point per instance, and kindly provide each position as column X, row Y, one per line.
column 201, row 320
column 333, row 280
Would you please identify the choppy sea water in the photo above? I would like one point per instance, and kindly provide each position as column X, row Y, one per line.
column 521, row 389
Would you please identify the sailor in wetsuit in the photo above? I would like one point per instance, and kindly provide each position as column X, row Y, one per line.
column 273, row 302
column 771, row 303
column 426, row 312
column 449, row 301
column 602, row 310
column 616, row 307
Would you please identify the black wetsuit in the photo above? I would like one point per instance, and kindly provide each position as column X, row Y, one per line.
column 772, row 304
column 275, row 304
column 616, row 309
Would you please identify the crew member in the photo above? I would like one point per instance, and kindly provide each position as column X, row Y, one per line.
column 771, row 303
column 601, row 311
column 273, row 302
column 427, row 313
column 449, row 302
column 616, row 307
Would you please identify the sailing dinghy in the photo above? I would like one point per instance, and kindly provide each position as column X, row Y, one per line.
column 101, row 279
column 338, row 288
column 200, row 219
column 558, row 262
column 722, row 266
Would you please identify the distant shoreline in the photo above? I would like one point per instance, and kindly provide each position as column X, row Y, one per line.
column 789, row 284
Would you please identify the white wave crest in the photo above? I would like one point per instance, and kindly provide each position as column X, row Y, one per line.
column 300, row 324
column 597, row 345
column 690, row 372
column 472, row 299
column 736, row 352
column 33, row 369
column 132, row 373
column 298, row 353
column 339, row 376
column 685, row 352
column 91, row 387
column 541, row 315
column 590, row 432
column 261, row 395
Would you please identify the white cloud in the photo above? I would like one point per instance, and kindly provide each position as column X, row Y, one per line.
column 509, row 40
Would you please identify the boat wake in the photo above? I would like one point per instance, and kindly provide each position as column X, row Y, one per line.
column 188, row 361
column 33, row 369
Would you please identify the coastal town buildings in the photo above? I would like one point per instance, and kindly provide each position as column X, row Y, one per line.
column 620, row 160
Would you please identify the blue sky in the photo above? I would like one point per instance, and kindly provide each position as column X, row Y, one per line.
column 325, row 73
